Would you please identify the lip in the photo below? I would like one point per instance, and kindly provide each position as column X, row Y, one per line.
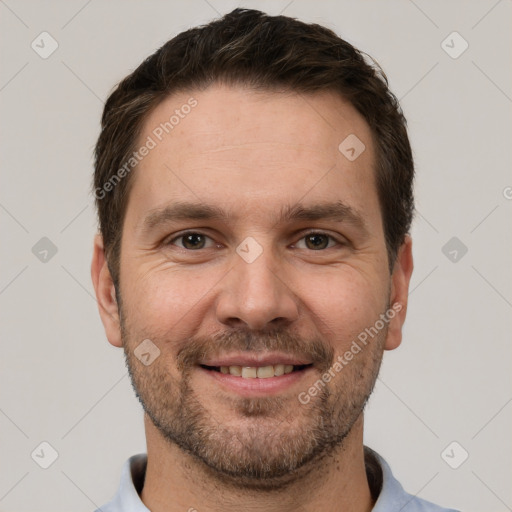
column 264, row 359
column 256, row 387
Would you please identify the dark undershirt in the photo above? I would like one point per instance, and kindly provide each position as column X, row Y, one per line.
column 373, row 473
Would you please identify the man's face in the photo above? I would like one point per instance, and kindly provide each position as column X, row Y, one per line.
column 297, row 288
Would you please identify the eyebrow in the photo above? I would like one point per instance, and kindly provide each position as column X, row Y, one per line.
column 181, row 211
column 337, row 211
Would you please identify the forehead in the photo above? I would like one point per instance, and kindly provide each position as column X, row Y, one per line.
column 240, row 147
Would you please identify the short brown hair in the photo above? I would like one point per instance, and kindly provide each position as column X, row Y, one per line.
column 249, row 48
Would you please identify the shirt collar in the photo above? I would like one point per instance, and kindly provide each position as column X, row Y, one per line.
column 385, row 488
column 127, row 498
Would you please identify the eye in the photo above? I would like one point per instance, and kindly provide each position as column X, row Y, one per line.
column 191, row 240
column 317, row 241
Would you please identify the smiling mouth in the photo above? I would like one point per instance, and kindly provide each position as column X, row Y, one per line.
column 257, row 372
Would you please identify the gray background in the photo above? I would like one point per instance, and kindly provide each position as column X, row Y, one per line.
column 61, row 382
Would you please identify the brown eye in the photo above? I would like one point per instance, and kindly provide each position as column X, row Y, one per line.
column 193, row 241
column 317, row 241
column 190, row 241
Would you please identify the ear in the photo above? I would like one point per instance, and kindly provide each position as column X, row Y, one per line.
column 400, row 280
column 105, row 293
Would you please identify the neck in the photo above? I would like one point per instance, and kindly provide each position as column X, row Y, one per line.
column 176, row 481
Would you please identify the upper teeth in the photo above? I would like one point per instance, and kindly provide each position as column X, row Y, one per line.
column 260, row 372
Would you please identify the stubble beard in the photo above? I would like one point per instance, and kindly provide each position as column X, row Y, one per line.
column 274, row 441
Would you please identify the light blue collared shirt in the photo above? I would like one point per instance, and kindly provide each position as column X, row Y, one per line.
column 391, row 497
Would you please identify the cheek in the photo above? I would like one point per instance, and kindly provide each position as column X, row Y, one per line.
column 343, row 304
column 168, row 301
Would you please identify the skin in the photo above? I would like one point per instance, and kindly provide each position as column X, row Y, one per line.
column 252, row 153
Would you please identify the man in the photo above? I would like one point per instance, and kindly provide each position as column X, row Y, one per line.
column 254, row 188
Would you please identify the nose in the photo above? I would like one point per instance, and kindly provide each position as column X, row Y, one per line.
column 256, row 295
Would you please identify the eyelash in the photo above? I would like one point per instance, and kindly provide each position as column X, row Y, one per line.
column 330, row 237
column 186, row 233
